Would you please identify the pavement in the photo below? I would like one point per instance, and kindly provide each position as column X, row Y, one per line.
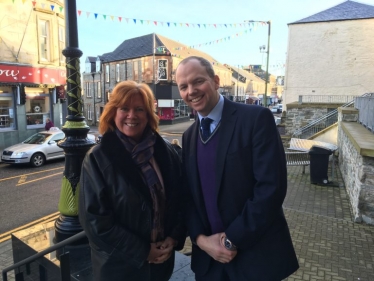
column 329, row 245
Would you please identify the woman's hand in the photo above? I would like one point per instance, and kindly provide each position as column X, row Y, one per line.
column 161, row 251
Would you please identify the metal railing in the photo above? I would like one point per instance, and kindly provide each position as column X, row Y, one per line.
column 323, row 122
column 365, row 105
column 64, row 261
column 326, row 99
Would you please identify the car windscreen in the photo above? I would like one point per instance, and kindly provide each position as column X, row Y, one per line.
column 38, row 138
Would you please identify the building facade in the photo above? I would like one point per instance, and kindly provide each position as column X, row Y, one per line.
column 151, row 59
column 32, row 67
column 331, row 53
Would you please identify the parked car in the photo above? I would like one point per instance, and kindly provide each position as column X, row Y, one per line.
column 275, row 109
column 37, row 149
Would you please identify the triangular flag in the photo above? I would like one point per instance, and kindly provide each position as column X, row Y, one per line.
column 141, row 21
column 33, row 3
column 23, row 1
column 95, row 15
column 168, row 24
column 198, row 25
column 52, row 7
column 88, row 14
column 127, row 20
column 61, row 8
column 148, row 22
column 120, row 19
column 187, row 25
column 180, row 24
column 43, row 5
column 175, row 24
column 155, row 22
column 79, row 12
column 104, row 16
column 225, row 25
column 215, row 25
column 112, row 17
column 204, row 25
column 134, row 20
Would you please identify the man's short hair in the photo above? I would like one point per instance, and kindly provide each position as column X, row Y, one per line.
column 204, row 62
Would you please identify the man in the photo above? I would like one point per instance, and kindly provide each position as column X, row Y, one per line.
column 236, row 176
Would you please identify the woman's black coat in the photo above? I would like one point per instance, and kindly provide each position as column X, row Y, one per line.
column 115, row 206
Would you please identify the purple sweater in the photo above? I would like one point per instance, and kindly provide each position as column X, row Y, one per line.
column 206, row 159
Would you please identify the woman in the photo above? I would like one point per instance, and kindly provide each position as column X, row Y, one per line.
column 129, row 192
column 48, row 124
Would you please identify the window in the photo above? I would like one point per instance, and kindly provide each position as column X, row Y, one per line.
column 98, row 62
column 6, row 109
column 38, row 107
column 99, row 90
column 136, row 71
column 61, row 42
column 117, row 72
column 107, row 73
column 89, row 112
column 97, row 115
column 88, row 90
column 162, row 69
column 44, row 37
column 180, row 109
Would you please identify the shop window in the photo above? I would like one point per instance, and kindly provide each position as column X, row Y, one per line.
column 44, row 40
column 180, row 109
column 38, row 107
column 6, row 110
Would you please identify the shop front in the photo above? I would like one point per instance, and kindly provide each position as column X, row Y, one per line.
column 28, row 96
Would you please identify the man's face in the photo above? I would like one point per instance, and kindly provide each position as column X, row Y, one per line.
column 196, row 88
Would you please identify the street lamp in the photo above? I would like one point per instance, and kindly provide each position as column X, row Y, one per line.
column 75, row 144
column 267, row 60
column 94, row 102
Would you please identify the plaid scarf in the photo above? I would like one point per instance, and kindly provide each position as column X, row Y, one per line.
column 142, row 153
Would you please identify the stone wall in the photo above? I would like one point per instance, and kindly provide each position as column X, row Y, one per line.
column 300, row 115
column 356, row 163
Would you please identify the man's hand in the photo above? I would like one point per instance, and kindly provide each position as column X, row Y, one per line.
column 213, row 246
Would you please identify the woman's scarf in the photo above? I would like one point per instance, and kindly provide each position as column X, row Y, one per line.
column 142, row 153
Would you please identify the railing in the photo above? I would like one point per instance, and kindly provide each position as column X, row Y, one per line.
column 64, row 261
column 321, row 123
column 325, row 99
column 366, row 107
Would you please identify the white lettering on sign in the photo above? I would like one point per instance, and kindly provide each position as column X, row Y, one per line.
column 8, row 72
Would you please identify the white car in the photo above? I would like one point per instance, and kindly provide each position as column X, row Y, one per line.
column 37, row 149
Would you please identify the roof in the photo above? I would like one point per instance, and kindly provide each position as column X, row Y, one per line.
column 143, row 46
column 348, row 10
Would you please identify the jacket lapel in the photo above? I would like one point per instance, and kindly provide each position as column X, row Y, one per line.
column 228, row 121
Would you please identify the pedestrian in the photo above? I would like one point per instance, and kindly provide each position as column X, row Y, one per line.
column 236, row 182
column 129, row 201
column 48, row 124
column 177, row 147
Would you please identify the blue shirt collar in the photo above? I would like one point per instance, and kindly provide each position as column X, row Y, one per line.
column 216, row 112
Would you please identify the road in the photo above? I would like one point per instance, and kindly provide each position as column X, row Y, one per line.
column 28, row 195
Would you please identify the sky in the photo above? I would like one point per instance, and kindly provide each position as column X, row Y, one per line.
column 224, row 32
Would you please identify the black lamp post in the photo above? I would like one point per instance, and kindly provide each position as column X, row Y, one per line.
column 76, row 143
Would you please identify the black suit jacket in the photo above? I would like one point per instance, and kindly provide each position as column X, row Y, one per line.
column 251, row 177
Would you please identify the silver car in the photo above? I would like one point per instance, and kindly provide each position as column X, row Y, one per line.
column 37, row 149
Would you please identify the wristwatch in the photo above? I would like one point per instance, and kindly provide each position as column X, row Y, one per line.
column 229, row 245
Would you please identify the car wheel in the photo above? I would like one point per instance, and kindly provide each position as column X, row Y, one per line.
column 37, row 160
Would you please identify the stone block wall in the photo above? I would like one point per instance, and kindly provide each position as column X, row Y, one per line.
column 300, row 115
column 356, row 164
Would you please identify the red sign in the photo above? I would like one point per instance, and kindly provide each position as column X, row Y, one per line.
column 28, row 74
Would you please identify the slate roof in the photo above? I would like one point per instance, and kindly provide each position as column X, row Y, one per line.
column 348, row 10
column 143, row 46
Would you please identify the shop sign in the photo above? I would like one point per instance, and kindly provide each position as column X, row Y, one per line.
column 35, row 75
